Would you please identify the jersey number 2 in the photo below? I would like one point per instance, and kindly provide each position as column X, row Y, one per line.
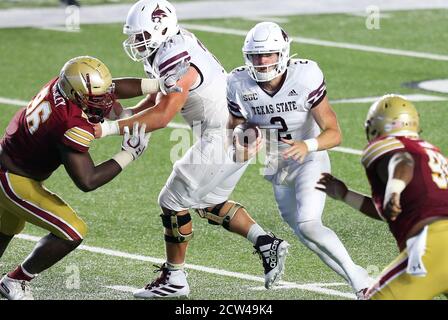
column 282, row 122
column 38, row 111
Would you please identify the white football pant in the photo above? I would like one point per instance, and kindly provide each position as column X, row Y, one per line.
column 204, row 177
column 301, row 206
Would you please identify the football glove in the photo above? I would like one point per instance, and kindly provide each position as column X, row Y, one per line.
column 136, row 143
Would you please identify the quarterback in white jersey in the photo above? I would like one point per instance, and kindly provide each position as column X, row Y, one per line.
column 206, row 175
column 274, row 91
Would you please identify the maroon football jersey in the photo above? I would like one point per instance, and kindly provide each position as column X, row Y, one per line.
column 32, row 136
column 427, row 193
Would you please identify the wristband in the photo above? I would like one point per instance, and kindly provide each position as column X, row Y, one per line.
column 150, row 86
column 109, row 128
column 311, row 144
column 123, row 158
column 395, row 186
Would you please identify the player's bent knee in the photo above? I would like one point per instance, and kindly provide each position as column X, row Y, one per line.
column 80, row 228
column 310, row 230
column 173, row 222
column 221, row 214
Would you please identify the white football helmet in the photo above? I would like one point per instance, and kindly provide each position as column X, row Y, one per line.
column 266, row 37
column 149, row 24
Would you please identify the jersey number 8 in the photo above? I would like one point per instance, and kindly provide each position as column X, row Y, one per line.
column 439, row 168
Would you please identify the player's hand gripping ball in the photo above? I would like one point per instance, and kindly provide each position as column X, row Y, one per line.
column 247, row 141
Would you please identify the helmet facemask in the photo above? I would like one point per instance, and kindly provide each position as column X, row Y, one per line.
column 96, row 107
column 270, row 71
column 141, row 45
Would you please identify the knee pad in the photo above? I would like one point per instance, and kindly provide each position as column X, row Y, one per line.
column 213, row 216
column 173, row 222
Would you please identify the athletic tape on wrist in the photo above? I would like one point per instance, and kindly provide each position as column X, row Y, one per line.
column 395, row 186
column 123, row 158
column 150, row 86
column 109, row 128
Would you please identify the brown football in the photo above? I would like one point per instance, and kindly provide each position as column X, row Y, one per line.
column 246, row 134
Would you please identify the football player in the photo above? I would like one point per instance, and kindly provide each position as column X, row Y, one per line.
column 206, row 176
column 275, row 91
column 409, row 181
column 56, row 128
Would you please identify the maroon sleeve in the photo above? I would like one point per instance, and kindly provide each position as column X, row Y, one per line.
column 78, row 133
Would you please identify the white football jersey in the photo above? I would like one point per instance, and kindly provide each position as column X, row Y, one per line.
column 287, row 110
column 206, row 103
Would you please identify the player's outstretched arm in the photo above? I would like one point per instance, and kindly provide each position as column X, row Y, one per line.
column 87, row 176
column 156, row 117
column 338, row 190
column 126, row 88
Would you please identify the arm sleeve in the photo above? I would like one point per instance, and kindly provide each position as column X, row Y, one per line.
column 171, row 55
column 233, row 102
column 316, row 85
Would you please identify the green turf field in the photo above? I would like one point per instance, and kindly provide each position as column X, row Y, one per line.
column 124, row 215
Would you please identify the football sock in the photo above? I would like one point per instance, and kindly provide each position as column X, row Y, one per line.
column 324, row 257
column 330, row 244
column 254, row 232
column 174, row 266
column 21, row 274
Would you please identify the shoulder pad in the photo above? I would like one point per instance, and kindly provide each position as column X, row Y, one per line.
column 378, row 148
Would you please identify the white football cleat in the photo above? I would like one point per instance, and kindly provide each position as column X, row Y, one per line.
column 169, row 284
column 13, row 289
column 362, row 294
column 272, row 252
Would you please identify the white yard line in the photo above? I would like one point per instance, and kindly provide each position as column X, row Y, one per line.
column 325, row 43
column 316, row 286
column 13, row 102
column 411, row 97
column 219, row 272
column 306, row 287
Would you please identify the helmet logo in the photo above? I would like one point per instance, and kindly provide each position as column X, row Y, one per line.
column 158, row 14
column 285, row 35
